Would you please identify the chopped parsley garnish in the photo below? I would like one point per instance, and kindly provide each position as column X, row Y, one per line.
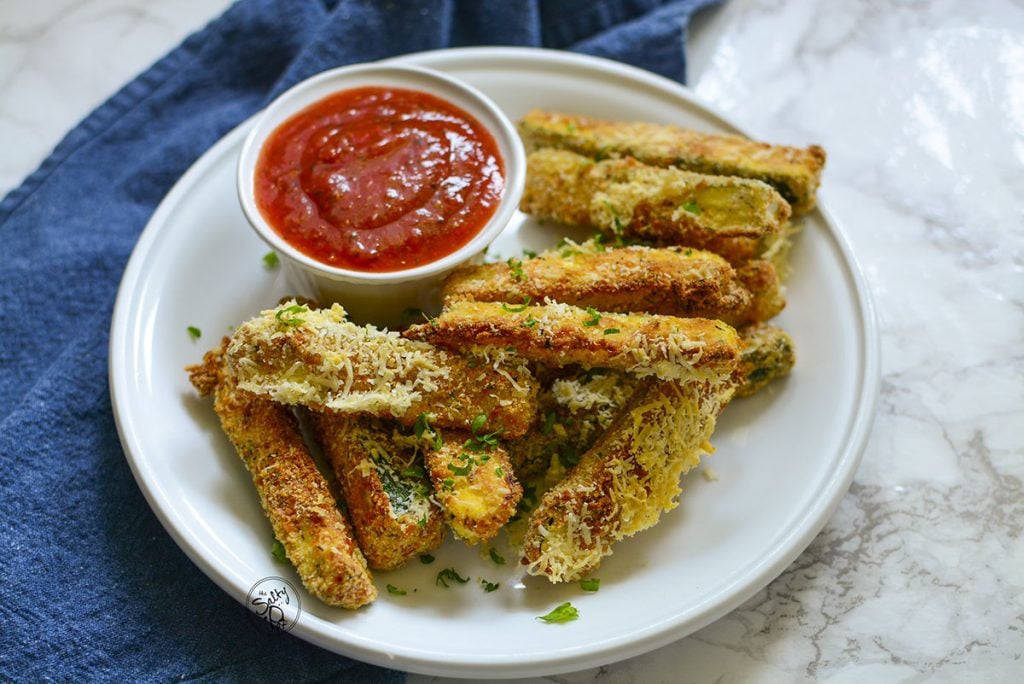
column 277, row 550
column 395, row 591
column 448, row 484
column 499, row 471
column 563, row 613
column 479, row 441
column 426, row 559
column 422, row 426
column 692, row 207
column 194, row 332
column 288, row 315
column 592, row 584
column 461, row 470
column 495, row 556
column 529, row 254
column 449, row 575
column 530, row 321
column 594, row 319
column 270, row 260
column 602, row 153
column 489, row 586
column 516, row 267
column 517, row 309
column 610, row 331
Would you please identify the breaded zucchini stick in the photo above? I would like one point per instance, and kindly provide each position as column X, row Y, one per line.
column 385, row 489
column 575, row 410
column 625, row 198
column 316, row 358
column 624, row 483
column 768, row 353
column 795, row 172
column 474, row 483
column 672, row 281
column 304, row 516
column 560, row 334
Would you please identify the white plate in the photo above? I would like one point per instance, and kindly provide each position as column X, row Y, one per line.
column 785, row 457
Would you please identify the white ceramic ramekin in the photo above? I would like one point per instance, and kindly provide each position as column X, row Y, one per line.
column 380, row 298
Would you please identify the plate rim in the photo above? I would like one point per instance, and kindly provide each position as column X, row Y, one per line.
column 819, row 510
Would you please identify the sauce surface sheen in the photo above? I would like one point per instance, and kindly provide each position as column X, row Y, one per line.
column 379, row 179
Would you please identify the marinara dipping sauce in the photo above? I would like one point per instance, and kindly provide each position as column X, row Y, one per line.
column 379, row 179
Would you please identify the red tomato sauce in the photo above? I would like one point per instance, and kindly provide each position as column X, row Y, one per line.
column 379, row 179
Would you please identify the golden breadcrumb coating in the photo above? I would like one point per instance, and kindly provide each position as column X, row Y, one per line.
column 678, row 282
column 561, row 334
column 385, row 489
column 304, row 516
column 675, row 281
column 317, row 358
column 795, row 172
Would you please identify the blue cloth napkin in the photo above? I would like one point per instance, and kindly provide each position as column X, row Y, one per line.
column 91, row 586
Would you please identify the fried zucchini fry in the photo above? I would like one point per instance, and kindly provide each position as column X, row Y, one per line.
column 304, row 516
column 671, row 281
column 795, row 172
column 385, row 490
column 675, row 281
column 316, row 358
column 624, row 483
column 561, row 334
column 575, row 410
column 474, row 483
column 768, row 353
column 625, row 198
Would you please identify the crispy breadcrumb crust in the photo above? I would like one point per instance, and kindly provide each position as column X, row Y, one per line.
column 304, row 516
column 674, row 281
column 677, row 282
column 795, row 172
column 561, row 334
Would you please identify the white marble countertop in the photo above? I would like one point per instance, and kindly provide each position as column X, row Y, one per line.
column 920, row 573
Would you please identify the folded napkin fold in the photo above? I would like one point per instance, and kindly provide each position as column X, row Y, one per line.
column 92, row 586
